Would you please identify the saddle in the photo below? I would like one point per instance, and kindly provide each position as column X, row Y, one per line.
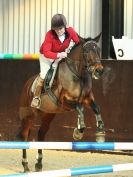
column 47, row 89
column 48, row 78
column 46, row 86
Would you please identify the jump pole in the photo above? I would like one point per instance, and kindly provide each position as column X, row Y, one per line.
column 67, row 145
column 76, row 171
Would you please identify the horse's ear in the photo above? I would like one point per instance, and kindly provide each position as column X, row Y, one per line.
column 97, row 38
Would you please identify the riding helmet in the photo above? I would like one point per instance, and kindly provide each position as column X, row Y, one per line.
column 58, row 21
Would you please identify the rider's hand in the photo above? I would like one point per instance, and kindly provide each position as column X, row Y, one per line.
column 62, row 55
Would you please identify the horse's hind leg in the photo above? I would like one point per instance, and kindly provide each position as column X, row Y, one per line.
column 25, row 161
column 24, row 135
column 45, row 123
column 79, row 131
column 100, row 133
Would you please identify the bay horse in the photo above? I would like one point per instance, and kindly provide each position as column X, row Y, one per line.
column 72, row 91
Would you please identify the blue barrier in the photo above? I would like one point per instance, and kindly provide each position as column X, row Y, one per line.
column 76, row 171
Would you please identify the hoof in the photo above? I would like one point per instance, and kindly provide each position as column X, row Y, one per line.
column 26, row 170
column 38, row 167
column 25, row 166
column 77, row 135
column 100, row 136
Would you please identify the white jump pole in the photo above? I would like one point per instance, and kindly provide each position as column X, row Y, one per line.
column 67, row 145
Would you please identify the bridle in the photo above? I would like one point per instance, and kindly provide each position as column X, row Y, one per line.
column 90, row 66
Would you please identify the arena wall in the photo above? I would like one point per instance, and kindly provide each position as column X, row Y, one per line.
column 113, row 93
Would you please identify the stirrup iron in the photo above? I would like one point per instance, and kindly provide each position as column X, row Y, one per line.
column 36, row 102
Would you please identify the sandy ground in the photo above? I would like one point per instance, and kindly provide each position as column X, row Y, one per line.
column 10, row 161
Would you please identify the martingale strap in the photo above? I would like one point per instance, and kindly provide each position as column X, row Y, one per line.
column 71, row 66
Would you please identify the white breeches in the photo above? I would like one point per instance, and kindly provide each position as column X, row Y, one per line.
column 45, row 64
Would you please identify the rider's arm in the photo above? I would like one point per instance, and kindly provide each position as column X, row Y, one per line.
column 74, row 35
column 46, row 47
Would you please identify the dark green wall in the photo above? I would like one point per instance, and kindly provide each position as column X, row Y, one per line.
column 112, row 25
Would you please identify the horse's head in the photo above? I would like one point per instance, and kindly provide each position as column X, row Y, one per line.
column 91, row 55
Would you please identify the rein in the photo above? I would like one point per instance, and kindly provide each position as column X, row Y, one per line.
column 70, row 63
column 88, row 66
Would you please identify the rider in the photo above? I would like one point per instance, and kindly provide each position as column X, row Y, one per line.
column 53, row 49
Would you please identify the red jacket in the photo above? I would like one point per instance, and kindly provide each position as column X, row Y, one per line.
column 52, row 45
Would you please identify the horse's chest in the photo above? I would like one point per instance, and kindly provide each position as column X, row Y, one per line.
column 77, row 94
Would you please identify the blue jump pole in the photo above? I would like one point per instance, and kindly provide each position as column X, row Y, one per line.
column 76, row 171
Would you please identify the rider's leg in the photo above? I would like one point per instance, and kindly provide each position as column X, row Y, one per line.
column 44, row 67
column 54, row 67
column 38, row 88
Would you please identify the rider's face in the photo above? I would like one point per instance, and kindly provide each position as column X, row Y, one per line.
column 60, row 31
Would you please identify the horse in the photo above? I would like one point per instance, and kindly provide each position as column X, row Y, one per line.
column 71, row 91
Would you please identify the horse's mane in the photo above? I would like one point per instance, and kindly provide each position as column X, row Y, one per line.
column 83, row 40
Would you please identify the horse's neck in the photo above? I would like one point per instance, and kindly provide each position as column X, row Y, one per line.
column 74, row 66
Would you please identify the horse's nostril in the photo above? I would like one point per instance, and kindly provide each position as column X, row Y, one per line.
column 99, row 71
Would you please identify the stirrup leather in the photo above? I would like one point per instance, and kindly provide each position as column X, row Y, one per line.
column 36, row 102
column 48, row 78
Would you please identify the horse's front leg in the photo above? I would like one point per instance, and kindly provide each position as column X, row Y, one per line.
column 79, row 131
column 100, row 133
